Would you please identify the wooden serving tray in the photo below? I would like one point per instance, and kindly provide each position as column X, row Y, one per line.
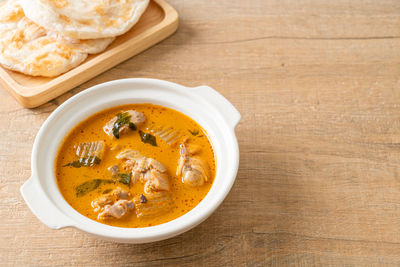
column 158, row 22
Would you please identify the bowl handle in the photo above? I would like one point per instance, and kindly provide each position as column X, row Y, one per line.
column 42, row 207
column 225, row 108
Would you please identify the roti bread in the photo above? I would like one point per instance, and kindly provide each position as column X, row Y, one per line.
column 85, row 19
column 28, row 48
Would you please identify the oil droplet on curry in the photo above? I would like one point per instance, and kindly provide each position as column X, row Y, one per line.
column 135, row 165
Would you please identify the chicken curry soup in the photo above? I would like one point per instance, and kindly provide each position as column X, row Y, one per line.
column 136, row 165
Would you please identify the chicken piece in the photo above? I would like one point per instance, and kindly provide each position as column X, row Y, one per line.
column 149, row 171
column 122, row 194
column 113, row 196
column 191, row 168
column 152, row 163
column 126, row 117
column 155, row 181
column 140, row 162
column 135, row 164
column 113, row 205
column 193, row 172
column 156, row 204
column 116, row 210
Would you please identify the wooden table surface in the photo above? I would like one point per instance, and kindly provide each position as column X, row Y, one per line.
column 318, row 85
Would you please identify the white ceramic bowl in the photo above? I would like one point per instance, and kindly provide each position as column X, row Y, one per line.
column 203, row 104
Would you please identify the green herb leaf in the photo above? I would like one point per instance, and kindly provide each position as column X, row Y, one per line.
column 84, row 162
column 89, row 186
column 75, row 164
column 194, row 132
column 122, row 119
column 125, row 178
column 148, row 138
column 132, row 126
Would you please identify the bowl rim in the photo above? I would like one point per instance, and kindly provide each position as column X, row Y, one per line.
column 221, row 107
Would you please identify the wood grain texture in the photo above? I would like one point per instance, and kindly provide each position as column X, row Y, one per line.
column 318, row 86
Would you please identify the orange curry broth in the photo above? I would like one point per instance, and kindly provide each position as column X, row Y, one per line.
column 91, row 129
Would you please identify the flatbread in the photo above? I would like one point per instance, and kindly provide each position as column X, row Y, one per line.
column 90, row 46
column 85, row 19
column 28, row 48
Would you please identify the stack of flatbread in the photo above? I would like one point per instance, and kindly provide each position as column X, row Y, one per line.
column 50, row 37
